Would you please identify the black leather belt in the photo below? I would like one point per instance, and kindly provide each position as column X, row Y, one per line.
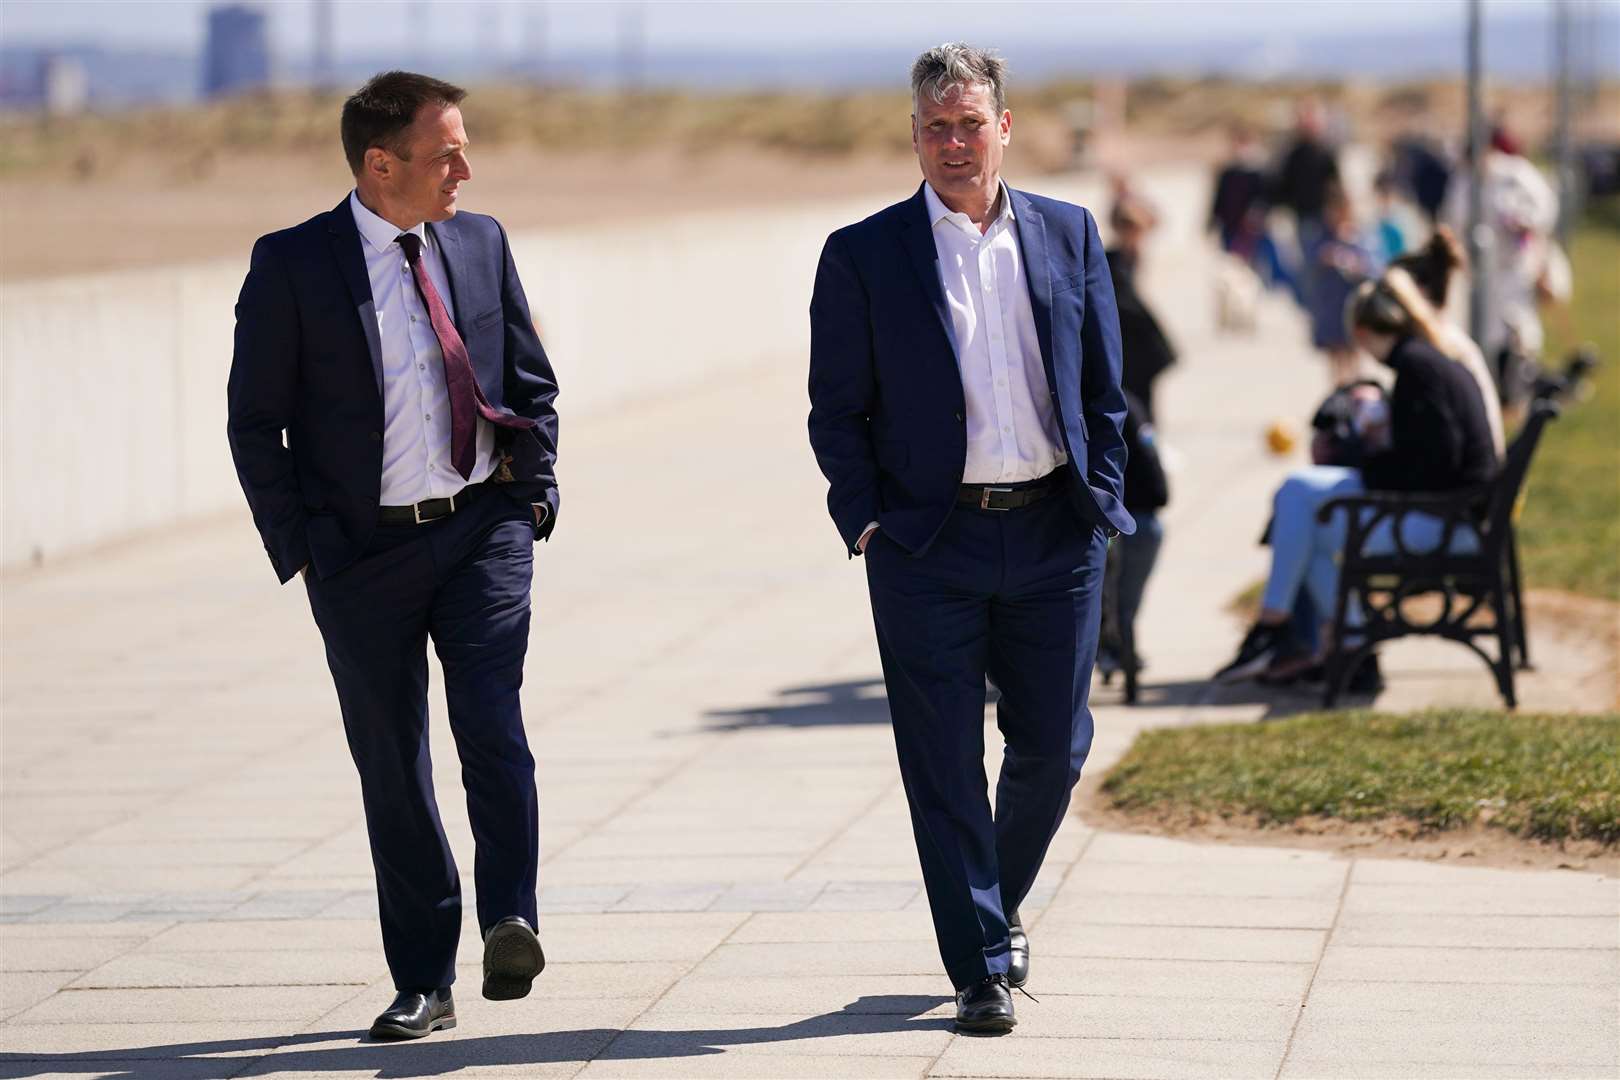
column 1009, row 496
column 429, row 509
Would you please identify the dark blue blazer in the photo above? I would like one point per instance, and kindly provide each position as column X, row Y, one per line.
column 308, row 362
column 887, row 415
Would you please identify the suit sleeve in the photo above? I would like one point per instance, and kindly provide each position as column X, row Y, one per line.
column 531, row 390
column 842, row 386
column 260, row 396
column 1102, row 401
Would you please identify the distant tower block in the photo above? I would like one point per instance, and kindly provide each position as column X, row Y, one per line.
column 237, row 56
column 323, row 69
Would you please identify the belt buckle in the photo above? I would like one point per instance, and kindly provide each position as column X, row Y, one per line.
column 984, row 499
column 416, row 511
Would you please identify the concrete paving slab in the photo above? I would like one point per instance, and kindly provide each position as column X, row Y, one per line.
column 166, row 1040
column 1176, row 942
column 1171, row 1059
column 21, row 990
column 1126, row 909
column 1249, row 980
column 763, row 1067
column 808, row 995
column 1526, row 898
column 822, row 958
column 1131, row 1016
column 1140, row 848
column 910, row 925
column 1306, row 880
column 74, row 954
column 281, row 967
column 1479, row 931
column 1554, row 967
column 837, row 1034
column 293, row 1005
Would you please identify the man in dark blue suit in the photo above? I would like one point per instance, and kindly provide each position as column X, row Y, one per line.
column 392, row 421
column 966, row 411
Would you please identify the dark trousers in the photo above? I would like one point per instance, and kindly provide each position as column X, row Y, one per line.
column 464, row 581
column 1016, row 595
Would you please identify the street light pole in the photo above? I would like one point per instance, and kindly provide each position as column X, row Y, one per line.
column 1479, row 239
column 1563, row 141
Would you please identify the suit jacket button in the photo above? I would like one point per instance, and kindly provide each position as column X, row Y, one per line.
column 376, row 436
column 959, row 417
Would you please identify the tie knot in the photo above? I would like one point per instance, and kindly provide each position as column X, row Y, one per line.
column 412, row 245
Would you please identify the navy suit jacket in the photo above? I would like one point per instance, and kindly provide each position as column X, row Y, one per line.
column 308, row 362
column 887, row 414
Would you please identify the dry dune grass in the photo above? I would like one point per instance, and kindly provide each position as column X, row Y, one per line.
column 159, row 185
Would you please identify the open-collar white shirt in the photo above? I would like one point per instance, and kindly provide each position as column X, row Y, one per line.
column 1012, row 432
column 416, row 402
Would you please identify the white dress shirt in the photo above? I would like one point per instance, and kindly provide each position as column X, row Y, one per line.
column 416, row 403
column 1012, row 431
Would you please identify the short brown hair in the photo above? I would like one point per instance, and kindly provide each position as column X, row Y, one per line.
column 378, row 113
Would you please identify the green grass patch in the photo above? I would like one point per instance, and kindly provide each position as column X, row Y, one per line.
column 1570, row 530
column 1542, row 777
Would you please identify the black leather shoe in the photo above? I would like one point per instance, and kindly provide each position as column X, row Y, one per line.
column 512, row 958
column 416, row 1013
column 986, row 1007
column 1018, row 954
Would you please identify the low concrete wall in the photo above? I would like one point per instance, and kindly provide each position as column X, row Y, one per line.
column 112, row 386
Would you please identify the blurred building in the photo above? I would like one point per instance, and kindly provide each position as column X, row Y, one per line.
column 64, row 85
column 236, row 57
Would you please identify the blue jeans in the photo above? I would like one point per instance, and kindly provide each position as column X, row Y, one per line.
column 1305, row 552
column 1137, row 554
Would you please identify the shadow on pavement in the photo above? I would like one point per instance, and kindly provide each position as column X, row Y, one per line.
column 861, row 701
column 445, row 1054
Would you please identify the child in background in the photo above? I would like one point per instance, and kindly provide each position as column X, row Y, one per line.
column 1343, row 261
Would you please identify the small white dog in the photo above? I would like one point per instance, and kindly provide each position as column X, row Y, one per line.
column 1237, row 295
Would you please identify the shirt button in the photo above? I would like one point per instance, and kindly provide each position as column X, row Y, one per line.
column 1001, row 382
column 427, row 416
column 1007, row 428
column 430, row 468
column 421, row 367
column 987, row 286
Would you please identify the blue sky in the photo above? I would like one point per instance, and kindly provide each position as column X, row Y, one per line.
column 507, row 25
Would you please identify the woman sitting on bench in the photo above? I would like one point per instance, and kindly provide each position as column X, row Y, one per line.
column 1436, row 439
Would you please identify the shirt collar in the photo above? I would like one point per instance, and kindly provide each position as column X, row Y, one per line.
column 380, row 234
column 937, row 209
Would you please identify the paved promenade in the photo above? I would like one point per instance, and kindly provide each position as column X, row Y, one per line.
column 728, row 884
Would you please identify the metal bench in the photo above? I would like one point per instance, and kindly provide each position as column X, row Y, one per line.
column 1479, row 595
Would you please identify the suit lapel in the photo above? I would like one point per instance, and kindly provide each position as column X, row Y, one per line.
column 917, row 236
column 455, row 267
column 345, row 236
column 1032, row 241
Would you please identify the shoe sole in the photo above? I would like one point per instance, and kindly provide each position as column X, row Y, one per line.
column 986, row 1027
column 1244, row 671
column 512, row 959
column 398, row 1031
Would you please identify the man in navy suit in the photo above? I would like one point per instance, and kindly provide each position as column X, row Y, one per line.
column 392, row 422
column 966, row 411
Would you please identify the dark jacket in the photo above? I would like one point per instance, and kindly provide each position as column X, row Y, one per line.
column 1147, row 488
column 308, row 363
column 1303, row 178
column 1145, row 349
column 1440, row 439
column 887, row 414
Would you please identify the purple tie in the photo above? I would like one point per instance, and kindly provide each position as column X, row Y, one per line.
column 466, row 396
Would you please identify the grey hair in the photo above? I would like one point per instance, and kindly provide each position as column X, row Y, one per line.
column 957, row 63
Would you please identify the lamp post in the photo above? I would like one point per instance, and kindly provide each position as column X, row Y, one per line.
column 1479, row 238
